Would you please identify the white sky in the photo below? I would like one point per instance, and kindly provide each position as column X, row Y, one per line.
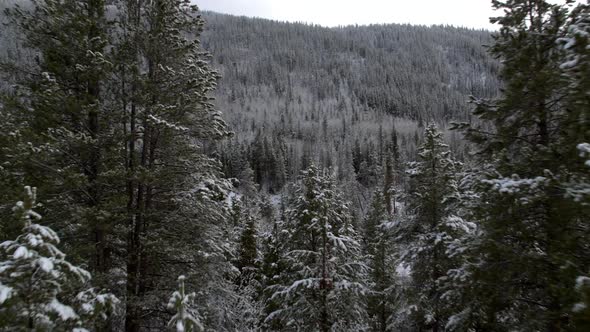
column 469, row 13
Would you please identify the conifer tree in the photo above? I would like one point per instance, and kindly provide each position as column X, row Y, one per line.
column 38, row 285
column 379, row 256
column 272, row 268
column 185, row 318
column 576, row 69
column 248, row 260
column 174, row 191
column 248, row 252
column 388, row 186
column 323, row 284
column 432, row 228
column 523, row 266
column 66, row 111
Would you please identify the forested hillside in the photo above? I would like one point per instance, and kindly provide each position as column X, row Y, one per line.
column 338, row 92
column 408, row 71
column 167, row 169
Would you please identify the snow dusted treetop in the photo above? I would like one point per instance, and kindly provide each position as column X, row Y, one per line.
column 324, row 281
column 186, row 318
column 433, row 178
column 35, row 278
column 433, row 229
column 529, row 215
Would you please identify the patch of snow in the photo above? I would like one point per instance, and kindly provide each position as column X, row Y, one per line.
column 515, row 184
column 578, row 307
column 21, row 253
column 403, row 271
column 582, row 281
column 5, row 293
column 45, row 264
column 65, row 312
column 275, row 200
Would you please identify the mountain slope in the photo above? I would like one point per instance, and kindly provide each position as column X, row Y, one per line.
column 409, row 71
column 294, row 93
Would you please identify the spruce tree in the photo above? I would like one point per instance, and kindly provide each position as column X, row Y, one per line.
column 186, row 318
column 523, row 266
column 379, row 256
column 271, row 270
column 248, row 252
column 388, row 185
column 173, row 190
column 323, row 283
column 63, row 102
column 576, row 68
column 431, row 229
column 38, row 286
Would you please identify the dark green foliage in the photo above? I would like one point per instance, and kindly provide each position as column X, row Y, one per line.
column 113, row 119
column 39, row 289
column 321, row 285
column 533, row 241
column 431, row 230
column 378, row 246
column 64, row 115
column 248, row 252
column 271, row 270
column 108, row 110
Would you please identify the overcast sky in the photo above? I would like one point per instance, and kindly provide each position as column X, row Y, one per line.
column 469, row 13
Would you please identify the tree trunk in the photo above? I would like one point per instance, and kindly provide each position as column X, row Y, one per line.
column 95, row 15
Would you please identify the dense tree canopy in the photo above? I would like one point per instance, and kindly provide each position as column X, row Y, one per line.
column 352, row 188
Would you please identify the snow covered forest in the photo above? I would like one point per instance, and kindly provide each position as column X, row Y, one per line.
column 166, row 169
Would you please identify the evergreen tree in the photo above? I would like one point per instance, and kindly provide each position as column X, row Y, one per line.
column 127, row 107
column 247, row 186
column 532, row 247
column 246, row 302
column 63, row 102
column 322, row 286
column 267, row 210
column 576, row 69
column 248, row 251
column 186, row 318
column 388, row 186
column 377, row 246
column 433, row 228
column 248, row 261
column 174, row 191
column 38, row 285
column 394, row 146
column 271, row 270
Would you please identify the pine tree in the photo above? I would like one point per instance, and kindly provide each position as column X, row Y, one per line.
column 38, row 285
column 173, row 190
column 322, row 286
column 576, row 69
column 248, row 250
column 270, row 272
column 186, row 318
column 66, row 111
column 267, row 210
column 433, row 227
column 523, row 266
column 244, row 299
column 388, row 185
column 378, row 249
column 248, row 186
column 394, row 146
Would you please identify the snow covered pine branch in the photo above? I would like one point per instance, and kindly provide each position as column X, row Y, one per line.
column 39, row 288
